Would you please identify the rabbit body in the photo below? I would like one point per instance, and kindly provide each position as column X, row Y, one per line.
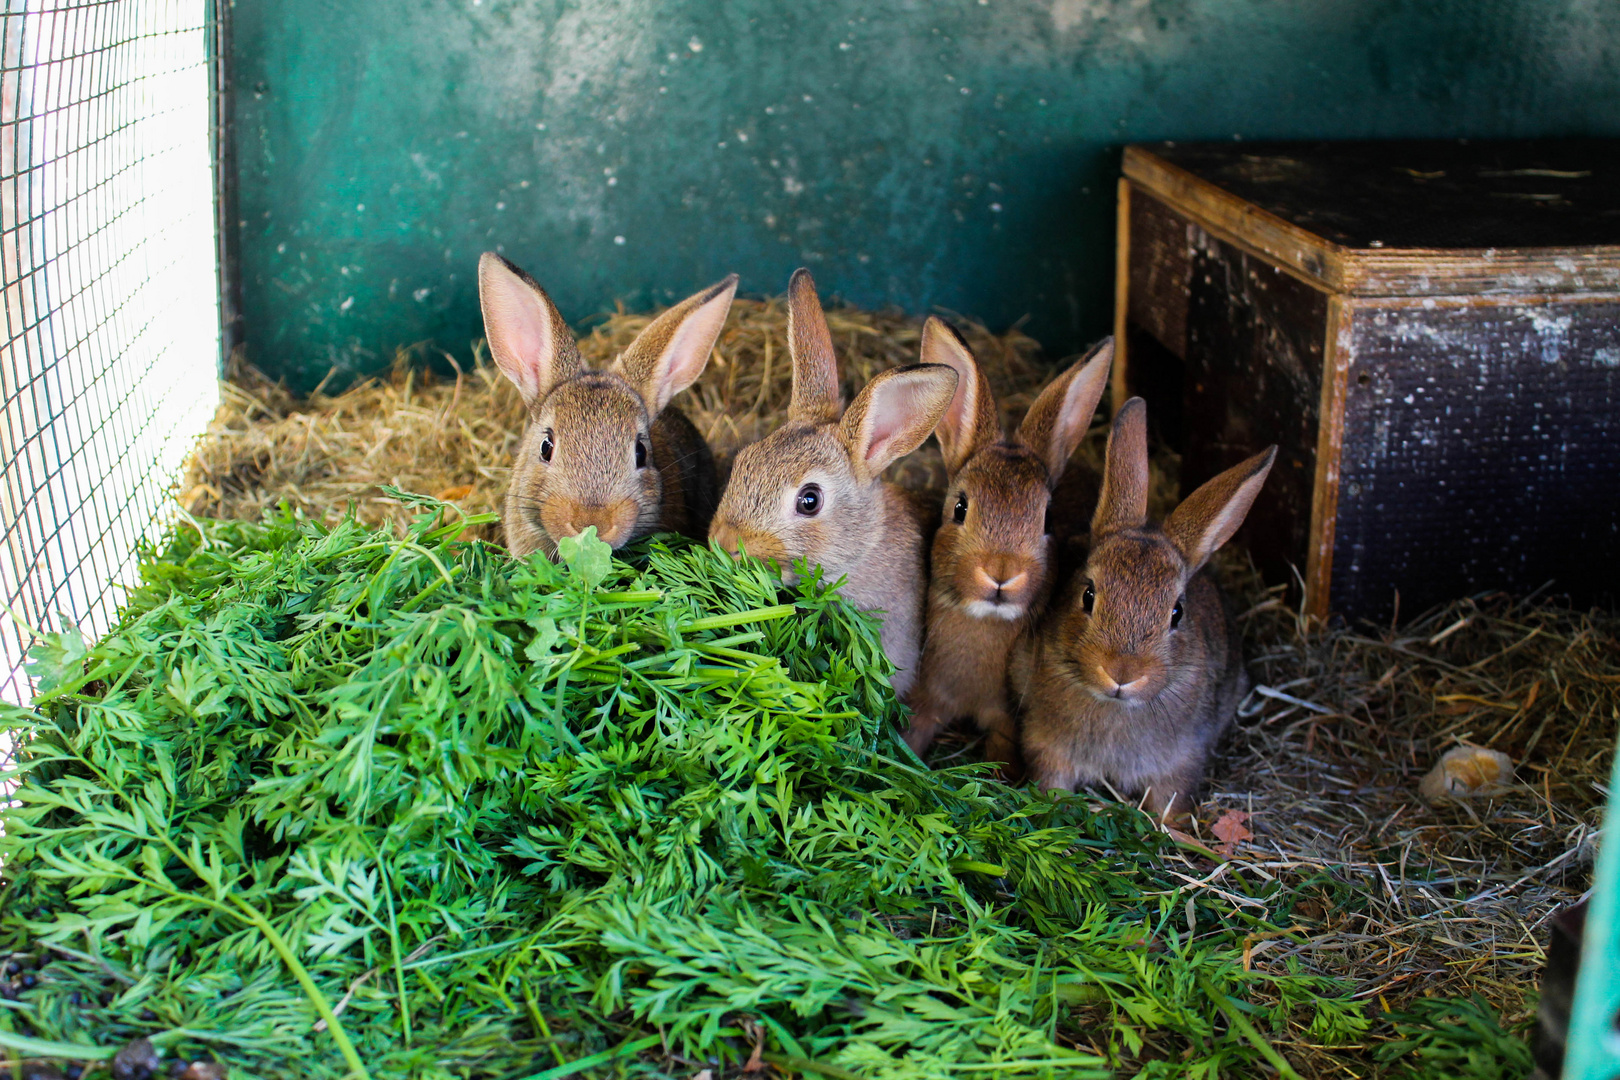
column 812, row 489
column 1076, row 733
column 963, row 672
column 1132, row 678
column 993, row 558
column 602, row 448
column 871, row 536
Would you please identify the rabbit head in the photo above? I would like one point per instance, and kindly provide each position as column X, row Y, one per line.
column 812, row 488
column 992, row 556
column 1129, row 630
column 587, row 455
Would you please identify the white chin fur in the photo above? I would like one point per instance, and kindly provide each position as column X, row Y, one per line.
column 989, row 609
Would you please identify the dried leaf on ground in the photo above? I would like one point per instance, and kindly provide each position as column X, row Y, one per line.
column 1231, row 830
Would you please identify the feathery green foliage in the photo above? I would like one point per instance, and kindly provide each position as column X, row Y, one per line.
column 331, row 802
column 1454, row 1039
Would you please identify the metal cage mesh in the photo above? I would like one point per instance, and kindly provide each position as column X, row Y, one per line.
column 109, row 358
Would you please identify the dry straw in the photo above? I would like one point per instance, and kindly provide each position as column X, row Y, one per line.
column 455, row 437
column 1401, row 898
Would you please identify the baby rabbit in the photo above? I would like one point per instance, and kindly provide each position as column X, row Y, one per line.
column 811, row 489
column 601, row 447
column 1133, row 677
column 994, row 557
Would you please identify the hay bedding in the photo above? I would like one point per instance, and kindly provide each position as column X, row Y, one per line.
column 456, row 437
column 1404, row 900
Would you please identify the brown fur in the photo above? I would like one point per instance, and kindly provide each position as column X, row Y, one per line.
column 595, row 419
column 867, row 532
column 1117, row 695
column 1008, row 485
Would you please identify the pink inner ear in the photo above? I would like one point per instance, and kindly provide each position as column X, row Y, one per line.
column 1080, row 403
column 519, row 331
column 879, row 446
column 894, row 415
column 962, row 412
column 941, row 347
column 688, row 351
column 1072, row 423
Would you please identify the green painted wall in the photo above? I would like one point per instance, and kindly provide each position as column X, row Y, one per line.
column 918, row 153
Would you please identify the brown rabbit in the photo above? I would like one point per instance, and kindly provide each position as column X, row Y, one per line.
column 812, row 489
column 603, row 447
column 994, row 557
column 1132, row 678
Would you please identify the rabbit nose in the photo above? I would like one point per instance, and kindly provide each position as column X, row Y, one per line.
column 998, row 580
column 613, row 522
column 1122, row 681
column 726, row 535
column 735, row 539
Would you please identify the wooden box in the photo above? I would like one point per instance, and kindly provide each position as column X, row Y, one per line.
column 1429, row 330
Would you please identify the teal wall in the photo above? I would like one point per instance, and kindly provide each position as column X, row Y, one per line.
column 919, row 153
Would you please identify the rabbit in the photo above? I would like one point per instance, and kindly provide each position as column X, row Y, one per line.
column 812, row 489
column 602, row 448
column 994, row 555
column 1136, row 672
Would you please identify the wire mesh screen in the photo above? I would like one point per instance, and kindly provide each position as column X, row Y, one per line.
column 107, row 263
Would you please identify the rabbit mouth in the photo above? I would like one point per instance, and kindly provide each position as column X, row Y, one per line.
column 615, row 522
column 996, row 595
column 1123, row 701
column 995, row 609
column 1104, row 685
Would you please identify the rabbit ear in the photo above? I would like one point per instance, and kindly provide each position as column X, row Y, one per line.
column 892, row 416
column 970, row 421
column 1058, row 420
column 815, row 397
column 529, row 340
column 1123, row 502
column 1208, row 517
column 669, row 355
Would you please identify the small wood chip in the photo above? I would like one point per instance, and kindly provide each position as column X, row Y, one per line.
column 1468, row 772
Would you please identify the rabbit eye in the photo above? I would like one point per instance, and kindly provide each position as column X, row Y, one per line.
column 1088, row 599
column 641, row 453
column 546, row 447
column 808, row 503
column 961, row 508
column 1175, row 615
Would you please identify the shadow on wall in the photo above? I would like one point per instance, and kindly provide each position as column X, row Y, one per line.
column 927, row 155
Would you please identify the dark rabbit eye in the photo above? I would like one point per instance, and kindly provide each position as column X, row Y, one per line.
column 808, row 502
column 546, row 447
column 1088, row 599
column 961, row 508
column 641, row 453
column 1175, row 615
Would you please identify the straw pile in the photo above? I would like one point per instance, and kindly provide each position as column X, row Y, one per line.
column 454, row 438
column 1404, row 899
column 1409, row 899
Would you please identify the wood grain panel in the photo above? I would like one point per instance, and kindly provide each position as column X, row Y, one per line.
column 1253, row 377
column 1481, row 451
column 1382, row 267
column 1160, row 270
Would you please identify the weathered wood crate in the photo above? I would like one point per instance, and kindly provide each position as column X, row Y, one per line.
column 1429, row 330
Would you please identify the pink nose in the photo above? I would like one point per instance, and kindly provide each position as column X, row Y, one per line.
column 614, row 523
column 998, row 589
column 736, row 539
column 1121, row 682
column 726, row 535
